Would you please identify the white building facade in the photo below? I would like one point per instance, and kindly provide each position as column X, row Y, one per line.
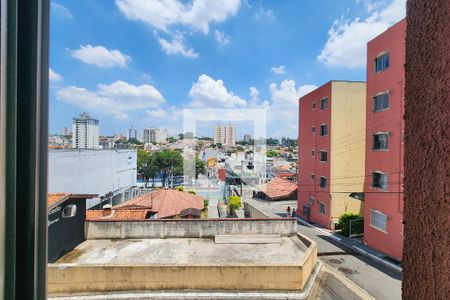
column 154, row 135
column 85, row 132
column 109, row 173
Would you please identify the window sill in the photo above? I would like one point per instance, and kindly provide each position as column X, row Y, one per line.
column 380, row 150
column 379, row 189
column 381, row 110
column 381, row 230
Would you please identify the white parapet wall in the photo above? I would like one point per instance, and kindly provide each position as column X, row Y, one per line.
column 207, row 228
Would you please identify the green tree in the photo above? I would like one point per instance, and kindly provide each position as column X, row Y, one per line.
column 169, row 163
column 134, row 141
column 239, row 148
column 200, row 167
column 344, row 223
column 146, row 165
column 272, row 153
column 234, row 202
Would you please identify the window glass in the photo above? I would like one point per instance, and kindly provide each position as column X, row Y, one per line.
column 323, row 130
column 313, row 129
column 380, row 141
column 312, row 176
column 378, row 219
column 381, row 102
column 323, row 182
column 323, row 156
column 379, row 180
column 69, row 211
column 311, row 200
column 313, row 105
column 382, row 62
column 324, row 103
column 322, row 208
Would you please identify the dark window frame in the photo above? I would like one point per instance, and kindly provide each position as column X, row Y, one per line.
column 323, row 158
column 323, row 130
column 379, row 145
column 381, row 62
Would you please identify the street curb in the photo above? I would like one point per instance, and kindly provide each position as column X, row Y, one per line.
column 378, row 259
column 359, row 250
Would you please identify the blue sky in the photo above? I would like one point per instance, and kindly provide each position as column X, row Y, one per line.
column 141, row 62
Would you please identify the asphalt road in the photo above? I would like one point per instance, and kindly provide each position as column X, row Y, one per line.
column 377, row 280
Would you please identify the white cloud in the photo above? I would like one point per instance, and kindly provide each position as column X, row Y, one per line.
column 283, row 110
column 221, row 37
column 346, row 44
column 61, row 10
column 116, row 99
column 170, row 114
column 100, row 56
column 208, row 92
column 176, row 46
column 196, row 14
column 279, row 70
column 53, row 76
column 264, row 15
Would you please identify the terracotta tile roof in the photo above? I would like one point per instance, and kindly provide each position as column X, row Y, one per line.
column 122, row 214
column 278, row 188
column 164, row 202
column 54, row 197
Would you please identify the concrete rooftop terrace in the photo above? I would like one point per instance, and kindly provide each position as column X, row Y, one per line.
column 221, row 255
column 185, row 251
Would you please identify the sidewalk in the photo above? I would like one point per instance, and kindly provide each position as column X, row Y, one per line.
column 356, row 245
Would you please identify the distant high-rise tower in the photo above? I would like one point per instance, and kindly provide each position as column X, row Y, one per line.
column 85, row 132
column 154, row 135
column 230, row 135
column 247, row 138
column 225, row 135
column 132, row 133
column 219, row 134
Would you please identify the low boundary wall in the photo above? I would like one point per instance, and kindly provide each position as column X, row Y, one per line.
column 89, row 278
column 203, row 228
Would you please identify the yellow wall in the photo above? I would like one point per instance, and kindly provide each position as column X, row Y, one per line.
column 348, row 129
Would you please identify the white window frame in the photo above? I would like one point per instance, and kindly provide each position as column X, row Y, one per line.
column 379, row 56
column 374, row 108
column 385, row 188
column 375, row 225
column 387, row 141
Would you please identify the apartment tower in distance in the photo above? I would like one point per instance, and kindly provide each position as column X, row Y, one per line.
column 225, row 135
column 132, row 133
column 383, row 188
column 85, row 132
column 331, row 151
column 154, row 135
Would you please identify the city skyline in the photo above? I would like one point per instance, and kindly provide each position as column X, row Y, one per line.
column 171, row 64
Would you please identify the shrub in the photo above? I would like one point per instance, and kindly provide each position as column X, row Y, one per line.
column 344, row 224
column 191, row 191
column 234, row 202
column 205, row 203
column 180, row 188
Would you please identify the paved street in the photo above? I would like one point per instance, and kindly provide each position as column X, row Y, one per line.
column 376, row 279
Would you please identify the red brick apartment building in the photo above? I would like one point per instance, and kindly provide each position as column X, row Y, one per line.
column 331, row 151
column 383, row 187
